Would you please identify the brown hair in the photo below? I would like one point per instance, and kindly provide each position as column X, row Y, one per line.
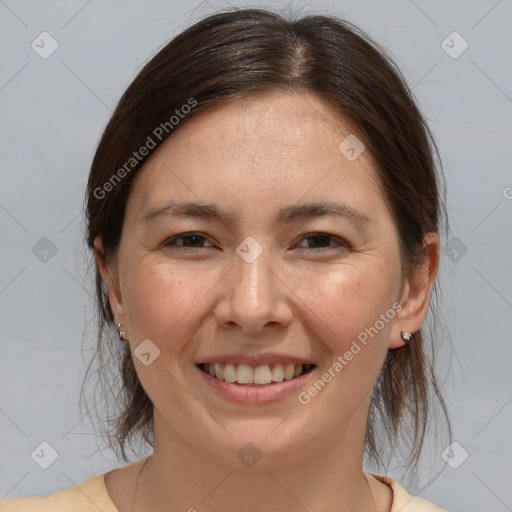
column 230, row 54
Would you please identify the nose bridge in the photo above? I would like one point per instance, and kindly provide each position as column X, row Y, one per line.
column 254, row 296
column 253, row 281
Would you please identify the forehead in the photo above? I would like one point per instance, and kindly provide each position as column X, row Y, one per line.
column 290, row 122
column 258, row 148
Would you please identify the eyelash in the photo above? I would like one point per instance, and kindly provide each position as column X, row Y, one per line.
column 182, row 236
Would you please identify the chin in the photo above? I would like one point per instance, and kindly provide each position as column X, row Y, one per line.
column 261, row 445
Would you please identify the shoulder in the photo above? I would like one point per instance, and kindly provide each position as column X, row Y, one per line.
column 89, row 496
column 405, row 502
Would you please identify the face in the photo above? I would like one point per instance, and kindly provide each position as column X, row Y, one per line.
column 289, row 256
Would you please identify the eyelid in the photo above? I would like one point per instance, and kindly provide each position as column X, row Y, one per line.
column 172, row 239
column 340, row 242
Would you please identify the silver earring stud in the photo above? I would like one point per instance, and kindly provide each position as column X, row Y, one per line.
column 406, row 336
column 120, row 332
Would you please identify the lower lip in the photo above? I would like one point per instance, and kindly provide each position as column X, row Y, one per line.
column 246, row 394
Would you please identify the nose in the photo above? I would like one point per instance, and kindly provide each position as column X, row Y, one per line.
column 255, row 297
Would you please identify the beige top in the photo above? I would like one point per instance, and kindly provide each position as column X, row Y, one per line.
column 92, row 496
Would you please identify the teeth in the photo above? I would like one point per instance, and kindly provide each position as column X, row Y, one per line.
column 289, row 370
column 278, row 373
column 229, row 373
column 244, row 374
column 219, row 372
column 263, row 374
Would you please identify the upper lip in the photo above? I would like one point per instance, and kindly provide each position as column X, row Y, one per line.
column 255, row 359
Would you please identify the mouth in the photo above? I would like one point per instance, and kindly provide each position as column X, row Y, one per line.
column 255, row 376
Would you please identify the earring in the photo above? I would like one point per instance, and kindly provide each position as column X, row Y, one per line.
column 406, row 336
column 120, row 332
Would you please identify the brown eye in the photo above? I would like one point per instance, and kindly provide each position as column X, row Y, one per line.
column 187, row 240
column 323, row 241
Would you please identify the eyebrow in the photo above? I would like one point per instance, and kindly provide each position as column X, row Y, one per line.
column 287, row 214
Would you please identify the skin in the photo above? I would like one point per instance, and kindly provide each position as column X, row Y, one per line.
column 302, row 297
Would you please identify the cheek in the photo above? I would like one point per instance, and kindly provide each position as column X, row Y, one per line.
column 162, row 301
column 350, row 299
column 356, row 303
column 167, row 303
column 356, row 309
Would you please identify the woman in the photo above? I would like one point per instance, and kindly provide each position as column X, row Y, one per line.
column 264, row 213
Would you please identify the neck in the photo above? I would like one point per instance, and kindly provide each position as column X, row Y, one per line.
column 180, row 477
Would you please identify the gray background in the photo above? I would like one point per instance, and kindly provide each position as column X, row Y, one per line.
column 52, row 113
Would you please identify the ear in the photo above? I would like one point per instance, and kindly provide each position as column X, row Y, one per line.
column 109, row 276
column 416, row 294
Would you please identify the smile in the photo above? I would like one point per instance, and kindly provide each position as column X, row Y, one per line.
column 261, row 375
